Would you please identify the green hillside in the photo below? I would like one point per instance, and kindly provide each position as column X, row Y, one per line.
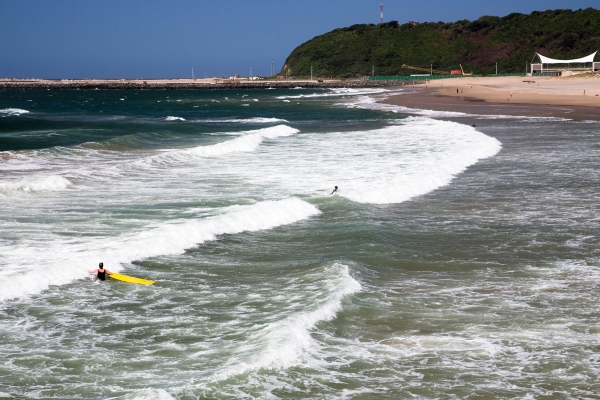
column 478, row 45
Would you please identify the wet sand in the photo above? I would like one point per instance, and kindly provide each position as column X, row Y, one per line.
column 544, row 96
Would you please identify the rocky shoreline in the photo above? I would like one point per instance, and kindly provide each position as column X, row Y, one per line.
column 165, row 85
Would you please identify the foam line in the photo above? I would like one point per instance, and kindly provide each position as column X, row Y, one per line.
column 27, row 185
column 442, row 150
column 335, row 93
column 256, row 120
column 381, row 166
column 375, row 104
column 281, row 344
column 13, row 111
column 149, row 394
column 32, row 270
column 248, row 141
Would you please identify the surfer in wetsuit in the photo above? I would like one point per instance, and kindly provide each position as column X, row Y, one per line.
column 335, row 189
column 101, row 272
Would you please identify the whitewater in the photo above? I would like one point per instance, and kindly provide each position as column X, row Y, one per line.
column 448, row 249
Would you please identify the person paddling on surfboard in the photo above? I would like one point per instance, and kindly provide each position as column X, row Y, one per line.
column 101, row 272
column 335, row 189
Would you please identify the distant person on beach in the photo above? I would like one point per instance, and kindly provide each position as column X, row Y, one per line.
column 101, row 272
column 335, row 189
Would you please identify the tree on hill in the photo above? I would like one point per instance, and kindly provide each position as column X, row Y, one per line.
column 478, row 45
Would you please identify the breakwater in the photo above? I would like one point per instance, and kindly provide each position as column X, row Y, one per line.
column 166, row 85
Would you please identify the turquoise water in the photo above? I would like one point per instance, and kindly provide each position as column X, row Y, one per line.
column 454, row 262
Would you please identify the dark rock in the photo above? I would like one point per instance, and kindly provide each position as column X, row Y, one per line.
column 109, row 85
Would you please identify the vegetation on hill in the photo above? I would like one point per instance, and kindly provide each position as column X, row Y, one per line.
column 510, row 41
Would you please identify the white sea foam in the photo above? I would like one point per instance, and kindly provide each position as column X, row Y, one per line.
column 149, row 394
column 171, row 118
column 381, row 166
column 373, row 103
column 235, row 219
column 256, row 120
column 282, row 343
column 25, row 269
column 335, row 93
column 525, row 117
column 28, row 185
column 13, row 111
column 429, row 154
column 412, row 346
column 247, row 142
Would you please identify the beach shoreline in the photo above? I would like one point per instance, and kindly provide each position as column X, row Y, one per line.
column 543, row 96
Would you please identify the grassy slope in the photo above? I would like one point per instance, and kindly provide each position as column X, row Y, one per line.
column 477, row 45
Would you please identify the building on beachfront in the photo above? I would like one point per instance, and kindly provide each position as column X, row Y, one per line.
column 565, row 67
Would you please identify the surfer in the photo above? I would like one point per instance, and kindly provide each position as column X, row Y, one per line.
column 335, row 189
column 101, row 272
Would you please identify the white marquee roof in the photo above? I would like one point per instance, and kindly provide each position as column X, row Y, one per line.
column 587, row 59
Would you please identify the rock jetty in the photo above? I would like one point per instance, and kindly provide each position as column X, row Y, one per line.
column 177, row 85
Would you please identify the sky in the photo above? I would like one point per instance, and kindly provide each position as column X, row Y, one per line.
column 150, row 39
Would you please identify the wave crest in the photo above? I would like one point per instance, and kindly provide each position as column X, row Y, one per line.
column 46, row 184
column 28, row 272
column 13, row 111
column 281, row 344
column 247, row 142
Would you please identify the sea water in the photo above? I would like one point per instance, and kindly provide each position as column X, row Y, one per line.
column 454, row 261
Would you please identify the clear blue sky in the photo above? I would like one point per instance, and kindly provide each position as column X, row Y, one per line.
column 166, row 39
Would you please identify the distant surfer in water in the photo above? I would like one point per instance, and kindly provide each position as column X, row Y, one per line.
column 335, row 189
column 101, row 272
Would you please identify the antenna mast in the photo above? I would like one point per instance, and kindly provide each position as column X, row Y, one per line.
column 381, row 13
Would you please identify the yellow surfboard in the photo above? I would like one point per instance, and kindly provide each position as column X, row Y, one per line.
column 131, row 279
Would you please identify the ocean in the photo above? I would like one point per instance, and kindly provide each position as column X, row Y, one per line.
column 455, row 261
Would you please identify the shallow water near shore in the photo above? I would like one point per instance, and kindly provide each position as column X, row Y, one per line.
column 454, row 262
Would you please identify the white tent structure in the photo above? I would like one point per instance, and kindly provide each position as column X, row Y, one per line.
column 552, row 64
column 582, row 60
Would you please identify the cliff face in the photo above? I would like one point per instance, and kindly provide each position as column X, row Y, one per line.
column 478, row 45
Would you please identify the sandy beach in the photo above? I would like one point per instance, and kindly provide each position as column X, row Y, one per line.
column 576, row 95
